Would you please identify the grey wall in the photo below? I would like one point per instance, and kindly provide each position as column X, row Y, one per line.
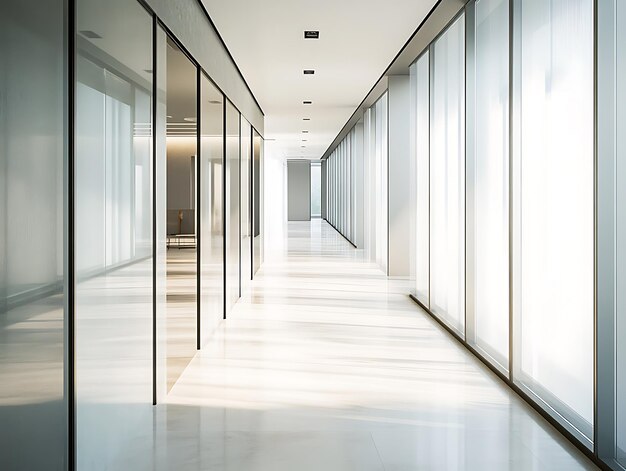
column 188, row 22
column 399, row 166
column 298, row 190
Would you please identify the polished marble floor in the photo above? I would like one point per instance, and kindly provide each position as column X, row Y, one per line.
column 327, row 365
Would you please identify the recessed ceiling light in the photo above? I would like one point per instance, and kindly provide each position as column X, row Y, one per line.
column 307, row 102
column 309, row 71
column 311, row 34
column 90, row 34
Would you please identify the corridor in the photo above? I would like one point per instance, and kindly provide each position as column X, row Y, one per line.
column 327, row 365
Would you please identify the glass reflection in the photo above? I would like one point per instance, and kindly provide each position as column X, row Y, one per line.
column 113, row 233
column 182, row 233
column 33, row 234
column 212, row 214
column 447, row 177
column 491, row 181
column 245, row 207
column 232, row 206
column 554, row 208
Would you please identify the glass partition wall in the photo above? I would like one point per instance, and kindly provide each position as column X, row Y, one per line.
column 211, row 207
column 316, row 182
column 503, row 161
column 447, row 176
column 257, row 201
column 244, row 198
column 182, row 215
column 150, row 221
column 354, row 184
column 34, row 234
column 113, row 229
column 488, row 180
column 112, row 196
column 232, row 219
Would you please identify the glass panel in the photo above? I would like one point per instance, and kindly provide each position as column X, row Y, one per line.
column 182, row 263
column 161, row 215
column 33, row 158
column 554, row 207
column 447, row 178
column 232, row 206
column 316, row 190
column 422, row 192
column 380, row 175
column 490, row 181
column 620, row 321
column 257, row 202
column 211, row 210
column 246, row 225
column 113, row 232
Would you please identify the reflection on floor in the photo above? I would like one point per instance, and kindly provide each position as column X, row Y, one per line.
column 31, row 385
column 327, row 365
column 181, row 311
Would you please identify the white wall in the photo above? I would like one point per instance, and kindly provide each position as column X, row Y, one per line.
column 399, row 176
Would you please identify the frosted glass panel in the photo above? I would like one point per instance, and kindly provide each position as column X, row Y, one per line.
column 113, row 232
column 33, row 234
column 211, row 211
column 380, row 181
column 257, row 200
column 553, row 203
column 447, row 178
column 246, row 221
column 422, row 191
column 232, row 206
column 316, row 207
column 490, row 180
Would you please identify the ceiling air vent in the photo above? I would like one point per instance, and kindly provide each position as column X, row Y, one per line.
column 311, row 35
column 309, row 71
column 307, row 102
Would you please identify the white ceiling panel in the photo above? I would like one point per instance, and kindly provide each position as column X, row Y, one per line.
column 358, row 40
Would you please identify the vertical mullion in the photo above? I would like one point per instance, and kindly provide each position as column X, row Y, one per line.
column 198, row 203
column 154, row 208
column 224, row 208
column 70, row 239
column 512, row 89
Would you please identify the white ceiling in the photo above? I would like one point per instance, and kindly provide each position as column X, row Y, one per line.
column 358, row 40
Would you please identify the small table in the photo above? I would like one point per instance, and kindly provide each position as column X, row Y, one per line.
column 181, row 241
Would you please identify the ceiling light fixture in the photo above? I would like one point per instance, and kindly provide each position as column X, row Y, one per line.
column 311, row 34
